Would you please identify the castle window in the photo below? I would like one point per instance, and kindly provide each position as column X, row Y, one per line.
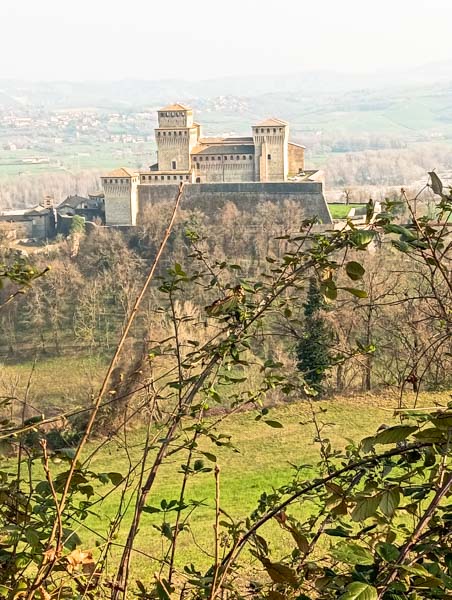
column 180, row 177
column 219, row 158
column 174, row 176
column 186, row 176
column 180, row 132
column 158, row 133
column 173, row 165
column 232, row 158
column 168, row 176
column 200, row 158
column 268, row 130
column 280, row 129
column 116, row 181
column 162, row 177
column 274, row 130
column 225, row 158
column 243, row 157
column 164, row 133
column 269, row 156
column 251, row 157
column 169, row 132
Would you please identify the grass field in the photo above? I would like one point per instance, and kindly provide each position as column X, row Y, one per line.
column 262, row 461
column 340, row 211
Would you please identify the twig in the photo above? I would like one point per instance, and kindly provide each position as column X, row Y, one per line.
column 217, row 531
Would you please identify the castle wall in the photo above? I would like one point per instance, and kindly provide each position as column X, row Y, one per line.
column 212, row 197
column 296, row 159
column 218, row 171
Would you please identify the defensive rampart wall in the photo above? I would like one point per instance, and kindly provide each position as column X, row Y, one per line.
column 212, row 196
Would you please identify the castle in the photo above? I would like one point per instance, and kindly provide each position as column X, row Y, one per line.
column 265, row 166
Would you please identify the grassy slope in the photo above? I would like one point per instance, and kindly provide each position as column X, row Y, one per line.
column 261, row 463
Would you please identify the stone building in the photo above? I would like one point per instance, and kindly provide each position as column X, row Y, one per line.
column 184, row 155
column 37, row 222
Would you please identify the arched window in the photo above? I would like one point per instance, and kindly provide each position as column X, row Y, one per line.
column 268, row 130
column 198, row 180
column 225, row 158
column 243, row 157
column 251, row 157
column 180, row 132
column 274, row 130
column 164, row 133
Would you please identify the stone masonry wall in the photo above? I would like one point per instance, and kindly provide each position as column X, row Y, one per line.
column 212, row 196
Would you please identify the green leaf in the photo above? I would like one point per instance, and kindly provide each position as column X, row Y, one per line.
column 115, row 478
column 329, row 290
column 359, row 591
column 275, row 424
column 352, row 553
column 389, row 501
column 436, row 184
column 443, row 421
column 354, row 270
column 151, row 509
column 388, row 552
column 355, row 292
column 365, row 508
column 210, row 456
column 392, row 435
column 403, row 231
column 362, row 237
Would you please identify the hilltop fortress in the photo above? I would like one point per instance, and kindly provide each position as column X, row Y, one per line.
column 263, row 167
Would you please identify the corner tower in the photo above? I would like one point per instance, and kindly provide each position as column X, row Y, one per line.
column 271, row 141
column 176, row 136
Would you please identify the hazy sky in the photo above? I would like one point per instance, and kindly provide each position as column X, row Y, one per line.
column 149, row 39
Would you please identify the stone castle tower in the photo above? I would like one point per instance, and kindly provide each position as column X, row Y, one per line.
column 176, row 136
column 271, row 155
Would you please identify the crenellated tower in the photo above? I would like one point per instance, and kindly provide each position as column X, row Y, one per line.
column 176, row 136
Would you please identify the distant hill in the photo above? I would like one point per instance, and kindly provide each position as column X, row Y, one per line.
column 397, row 103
